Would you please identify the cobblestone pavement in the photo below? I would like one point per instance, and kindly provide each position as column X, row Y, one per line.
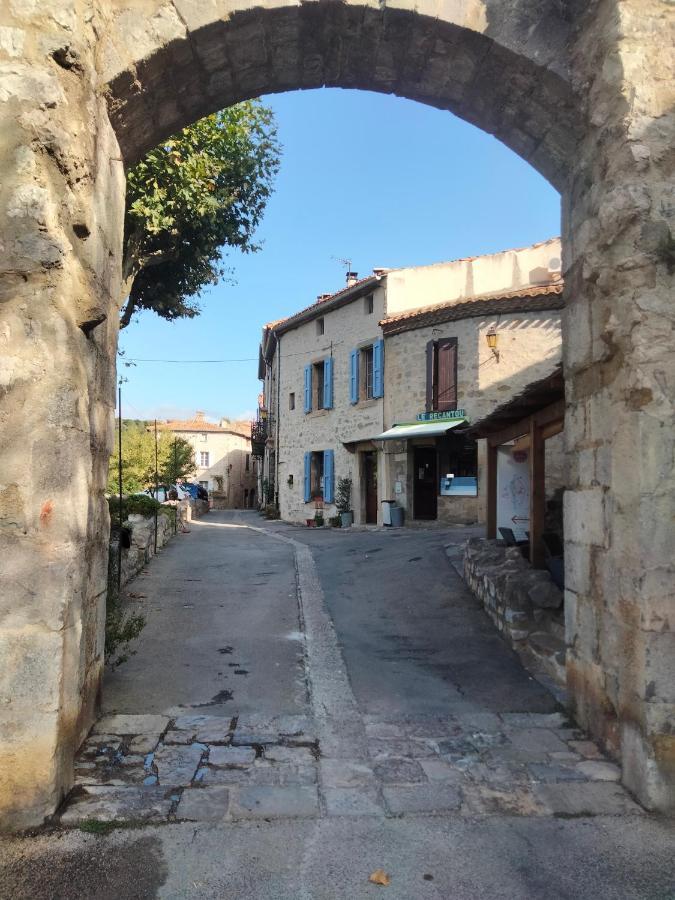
column 209, row 769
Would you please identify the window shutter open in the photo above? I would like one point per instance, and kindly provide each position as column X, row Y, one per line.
column 447, row 374
column 354, row 377
column 378, row 368
column 328, row 383
column 328, row 463
column 308, row 389
column 308, row 475
column 431, row 368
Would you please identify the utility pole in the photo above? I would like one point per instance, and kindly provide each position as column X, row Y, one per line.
column 156, row 486
column 119, row 475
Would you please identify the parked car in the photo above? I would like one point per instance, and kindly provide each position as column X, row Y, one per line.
column 162, row 492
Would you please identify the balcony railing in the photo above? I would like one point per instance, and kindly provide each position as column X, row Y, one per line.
column 258, row 438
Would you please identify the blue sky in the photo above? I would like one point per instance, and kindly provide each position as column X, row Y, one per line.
column 371, row 178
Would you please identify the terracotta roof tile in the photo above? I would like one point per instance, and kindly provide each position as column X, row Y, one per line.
column 531, row 298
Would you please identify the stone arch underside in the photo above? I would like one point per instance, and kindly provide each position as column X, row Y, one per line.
column 187, row 72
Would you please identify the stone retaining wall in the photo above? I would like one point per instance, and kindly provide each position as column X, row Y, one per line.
column 142, row 546
column 524, row 603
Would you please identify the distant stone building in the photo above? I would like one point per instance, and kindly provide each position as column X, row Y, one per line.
column 380, row 381
column 222, row 453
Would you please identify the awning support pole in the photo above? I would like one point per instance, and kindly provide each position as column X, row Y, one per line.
column 491, row 511
column 537, row 493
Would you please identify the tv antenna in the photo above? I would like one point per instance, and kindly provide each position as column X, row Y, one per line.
column 347, row 263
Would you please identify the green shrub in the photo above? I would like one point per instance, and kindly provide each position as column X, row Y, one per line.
column 141, row 504
column 335, row 521
column 272, row 511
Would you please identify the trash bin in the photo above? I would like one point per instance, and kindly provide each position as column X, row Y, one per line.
column 387, row 506
column 396, row 513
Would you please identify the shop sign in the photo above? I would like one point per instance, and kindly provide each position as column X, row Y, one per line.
column 447, row 415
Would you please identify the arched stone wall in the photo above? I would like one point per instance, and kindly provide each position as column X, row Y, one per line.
column 580, row 90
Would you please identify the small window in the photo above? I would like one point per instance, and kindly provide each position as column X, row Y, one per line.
column 248, row 462
column 204, row 458
column 203, row 437
column 204, row 484
column 366, row 373
column 368, row 305
column 291, row 400
column 317, row 385
column 320, row 326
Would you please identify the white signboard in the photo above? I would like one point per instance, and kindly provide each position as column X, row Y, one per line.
column 513, row 491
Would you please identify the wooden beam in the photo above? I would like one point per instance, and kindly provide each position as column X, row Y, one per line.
column 537, row 494
column 491, row 491
column 552, row 413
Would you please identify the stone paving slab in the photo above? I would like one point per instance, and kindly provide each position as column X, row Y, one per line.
column 207, row 804
column 422, row 798
column 590, row 799
column 275, row 802
column 346, row 773
column 361, row 801
column 233, row 757
column 131, row 724
column 176, row 766
column 118, row 804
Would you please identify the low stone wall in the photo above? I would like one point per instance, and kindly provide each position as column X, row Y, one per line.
column 142, row 546
column 524, row 603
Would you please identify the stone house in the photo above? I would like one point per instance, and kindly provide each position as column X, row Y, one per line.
column 222, row 454
column 341, row 377
column 443, row 374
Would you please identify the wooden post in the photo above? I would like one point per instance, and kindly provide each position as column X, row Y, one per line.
column 537, row 493
column 492, row 489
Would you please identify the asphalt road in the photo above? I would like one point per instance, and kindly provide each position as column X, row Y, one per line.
column 222, row 634
column 414, row 639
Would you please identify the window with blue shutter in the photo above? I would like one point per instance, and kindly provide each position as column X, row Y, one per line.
column 328, row 383
column 308, row 389
column 308, row 476
column 328, row 479
column 354, row 377
column 378, row 368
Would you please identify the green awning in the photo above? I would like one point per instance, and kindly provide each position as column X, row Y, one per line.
column 419, row 429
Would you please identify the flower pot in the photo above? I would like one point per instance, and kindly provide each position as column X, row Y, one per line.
column 347, row 518
column 310, row 523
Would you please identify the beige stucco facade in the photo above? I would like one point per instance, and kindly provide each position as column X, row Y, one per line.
column 223, row 460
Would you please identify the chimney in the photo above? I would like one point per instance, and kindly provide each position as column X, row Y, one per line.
column 352, row 278
column 199, row 416
column 321, row 297
column 379, row 272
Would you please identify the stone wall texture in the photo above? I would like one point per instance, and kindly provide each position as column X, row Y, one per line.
column 582, row 91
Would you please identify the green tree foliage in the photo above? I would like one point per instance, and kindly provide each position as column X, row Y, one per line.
column 175, row 458
column 201, row 190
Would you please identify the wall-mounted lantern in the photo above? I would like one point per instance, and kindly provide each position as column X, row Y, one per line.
column 492, row 339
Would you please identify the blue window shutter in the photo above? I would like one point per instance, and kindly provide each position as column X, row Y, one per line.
column 328, row 464
column 308, row 389
column 378, row 368
column 308, row 473
column 354, row 377
column 328, row 383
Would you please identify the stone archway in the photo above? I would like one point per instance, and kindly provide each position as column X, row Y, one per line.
column 584, row 96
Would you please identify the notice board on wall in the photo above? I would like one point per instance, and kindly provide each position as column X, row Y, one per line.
column 513, row 491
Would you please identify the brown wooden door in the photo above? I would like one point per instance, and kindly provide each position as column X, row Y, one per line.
column 370, row 477
column 424, row 480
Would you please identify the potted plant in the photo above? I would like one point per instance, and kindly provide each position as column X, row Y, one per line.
column 318, row 518
column 343, row 501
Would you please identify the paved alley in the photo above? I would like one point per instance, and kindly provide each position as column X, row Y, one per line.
column 306, row 707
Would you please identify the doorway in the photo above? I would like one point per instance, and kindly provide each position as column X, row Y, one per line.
column 424, row 480
column 370, row 481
